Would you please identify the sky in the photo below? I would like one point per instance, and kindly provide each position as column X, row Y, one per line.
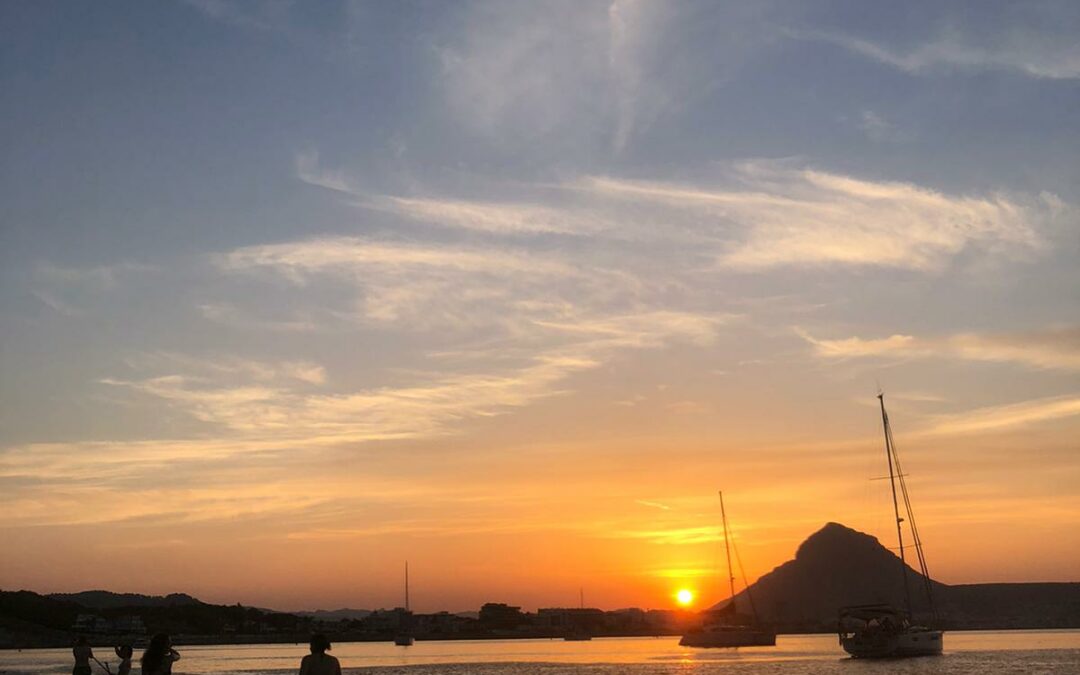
column 294, row 292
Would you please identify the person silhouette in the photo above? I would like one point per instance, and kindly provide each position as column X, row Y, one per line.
column 125, row 653
column 159, row 656
column 83, row 653
column 318, row 662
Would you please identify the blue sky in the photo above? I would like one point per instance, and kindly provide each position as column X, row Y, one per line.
column 291, row 254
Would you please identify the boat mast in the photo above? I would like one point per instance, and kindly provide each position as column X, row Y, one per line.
column 896, row 506
column 406, row 585
column 727, row 548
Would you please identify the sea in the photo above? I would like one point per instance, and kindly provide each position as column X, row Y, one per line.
column 1051, row 652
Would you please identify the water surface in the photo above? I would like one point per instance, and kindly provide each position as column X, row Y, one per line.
column 1054, row 652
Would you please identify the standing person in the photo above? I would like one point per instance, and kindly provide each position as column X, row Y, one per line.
column 83, row 654
column 124, row 652
column 159, row 656
column 318, row 662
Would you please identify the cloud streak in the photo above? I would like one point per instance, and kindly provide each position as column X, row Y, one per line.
column 808, row 218
column 1039, row 55
column 1053, row 349
column 1005, row 417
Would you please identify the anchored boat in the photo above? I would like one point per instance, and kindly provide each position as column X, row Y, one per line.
column 880, row 630
column 405, row 637
column 724, row 627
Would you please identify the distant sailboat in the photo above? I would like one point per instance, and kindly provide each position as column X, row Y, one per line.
column 577, row 632
column 880, row 630
column 721, row 628
column 405, row 637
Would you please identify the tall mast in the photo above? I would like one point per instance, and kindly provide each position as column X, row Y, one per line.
column 896, row 506
column 581, row 591
column 406, row 585
column 727, row 547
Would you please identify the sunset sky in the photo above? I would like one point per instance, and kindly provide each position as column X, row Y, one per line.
column 293, row 292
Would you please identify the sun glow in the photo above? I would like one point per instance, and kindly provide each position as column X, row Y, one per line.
column 684, row 597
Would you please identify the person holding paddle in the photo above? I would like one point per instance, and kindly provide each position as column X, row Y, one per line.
column 83, row 653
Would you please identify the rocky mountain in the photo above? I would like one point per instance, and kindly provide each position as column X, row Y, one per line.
column 838, row 566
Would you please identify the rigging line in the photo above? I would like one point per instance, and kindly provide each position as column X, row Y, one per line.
column 727, row 547
column 927, row 585
column 910, row 512
column 714, row 577
column 749, row 593
column 913, row 527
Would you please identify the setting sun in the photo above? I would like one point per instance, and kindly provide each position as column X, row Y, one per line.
column 684, row 597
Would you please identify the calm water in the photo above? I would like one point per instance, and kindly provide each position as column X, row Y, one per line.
column 967, row 653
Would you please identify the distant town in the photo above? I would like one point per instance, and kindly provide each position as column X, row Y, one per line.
column 31, row 620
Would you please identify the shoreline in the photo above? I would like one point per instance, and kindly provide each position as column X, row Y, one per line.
column 213, row 641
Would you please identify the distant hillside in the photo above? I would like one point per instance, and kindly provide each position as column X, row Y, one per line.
column 335, row 614
column 28, row 619
column 839, row 566
column 26, row 607
column 110, row 600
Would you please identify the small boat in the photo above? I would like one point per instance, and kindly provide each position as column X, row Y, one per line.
column 723, row 627
column 723, row 635
column 578, row 633
column 405, row 637
column 881, row 630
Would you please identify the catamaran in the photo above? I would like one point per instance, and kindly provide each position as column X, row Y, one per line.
column 881, row 630
column 722, row 627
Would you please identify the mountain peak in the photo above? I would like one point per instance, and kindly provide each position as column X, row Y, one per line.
column 835, row 539
column 835, row 566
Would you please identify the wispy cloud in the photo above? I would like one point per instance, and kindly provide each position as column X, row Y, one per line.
column 587, row 73
column 878, row 128
column 654, row 505
column 67, row 289
column 1035, row 53
column 1002, row 417
column 310, row 171
column 760, row 215
column 801, row 217
column 263, row 406
column 676, row 536
column 268, row 16
column 231, row 315
column 494, row 217
column 1055, row 348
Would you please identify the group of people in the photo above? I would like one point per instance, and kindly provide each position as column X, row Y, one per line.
column 156, row 660
column 159, row 657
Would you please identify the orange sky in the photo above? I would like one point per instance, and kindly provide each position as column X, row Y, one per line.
column 630, row 519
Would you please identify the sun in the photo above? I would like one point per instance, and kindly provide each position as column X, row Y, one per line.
column 684, row 596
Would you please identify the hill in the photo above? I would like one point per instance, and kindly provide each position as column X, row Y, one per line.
column 344, row 613
column 28, row 619
column 838, row 566
column 110, row 600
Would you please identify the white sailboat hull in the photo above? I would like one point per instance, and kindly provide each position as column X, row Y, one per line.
column 877, row 645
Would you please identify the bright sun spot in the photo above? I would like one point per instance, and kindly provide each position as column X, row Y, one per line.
column 685, row 597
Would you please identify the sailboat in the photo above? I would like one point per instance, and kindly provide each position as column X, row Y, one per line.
column 721, row 627
column 577, row 632
column 881, row 630
column 405, row 637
